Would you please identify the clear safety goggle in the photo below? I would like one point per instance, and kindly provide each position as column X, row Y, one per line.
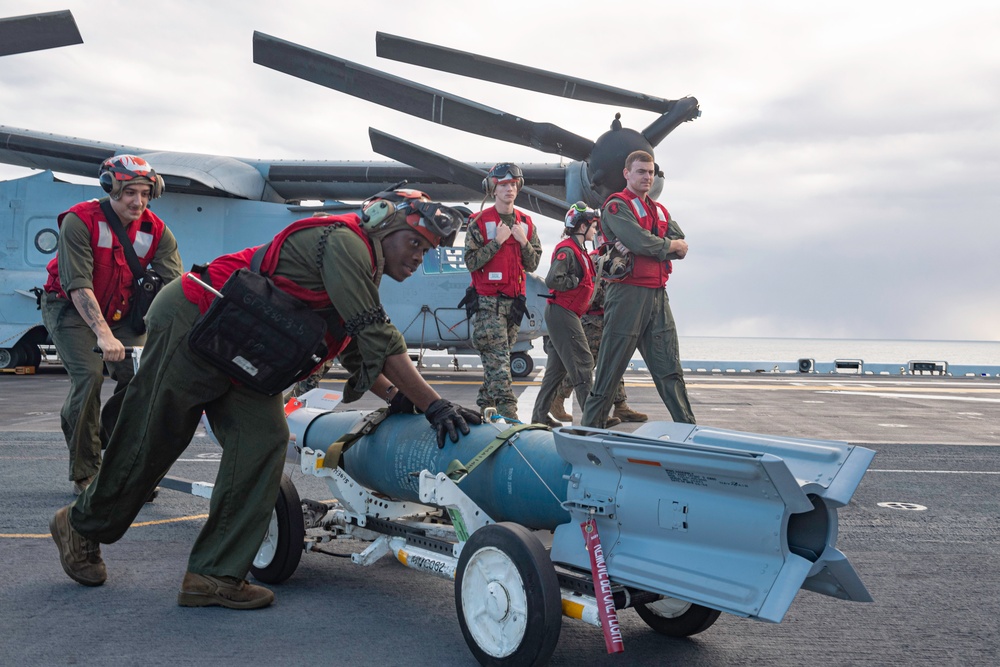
column 442, row 221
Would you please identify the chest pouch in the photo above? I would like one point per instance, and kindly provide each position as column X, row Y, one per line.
column 258, row 334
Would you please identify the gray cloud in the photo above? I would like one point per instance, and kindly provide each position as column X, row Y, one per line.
column 841, row 183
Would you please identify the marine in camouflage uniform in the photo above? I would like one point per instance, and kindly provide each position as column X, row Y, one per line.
column 311, row 382
column 494, row 327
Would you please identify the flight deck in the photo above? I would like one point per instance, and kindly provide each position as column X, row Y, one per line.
column 919, row 531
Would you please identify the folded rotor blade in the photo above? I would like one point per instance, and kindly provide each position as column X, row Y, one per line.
column 685, row 109
column 34, row 32
column 417, row 100
column 458, row 172
column 475, row 66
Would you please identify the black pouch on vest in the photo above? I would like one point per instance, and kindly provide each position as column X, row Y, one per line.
column 259, row 335
column 146, row 287
column 470, row 301
column 518, row 307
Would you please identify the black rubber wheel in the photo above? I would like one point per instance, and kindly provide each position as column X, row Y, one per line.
column 677, row 618
column 521, row 364
column 8, row 357
column 30, row 355
column 282, row 547
column 507, row 597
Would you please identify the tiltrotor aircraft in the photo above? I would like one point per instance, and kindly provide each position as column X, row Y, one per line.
column 216, row 204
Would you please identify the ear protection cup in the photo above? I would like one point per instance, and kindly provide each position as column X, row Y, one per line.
column 486, row 185
column 107, row 182
column 377, row 214
column 158, row 187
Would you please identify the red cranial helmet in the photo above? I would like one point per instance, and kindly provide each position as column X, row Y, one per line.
column 121, row 170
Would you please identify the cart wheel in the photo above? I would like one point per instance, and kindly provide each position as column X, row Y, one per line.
column 507, row 597
column 281, row 549
column 521, row 364
column 677, row 618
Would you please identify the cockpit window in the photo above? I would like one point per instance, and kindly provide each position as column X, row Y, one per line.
column 444, row 260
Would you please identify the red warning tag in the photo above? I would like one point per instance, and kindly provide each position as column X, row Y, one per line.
column 602, row 589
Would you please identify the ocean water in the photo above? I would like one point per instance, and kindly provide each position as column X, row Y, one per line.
column 956, row 352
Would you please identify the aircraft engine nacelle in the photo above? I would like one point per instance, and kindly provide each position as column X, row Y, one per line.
column 580, row 188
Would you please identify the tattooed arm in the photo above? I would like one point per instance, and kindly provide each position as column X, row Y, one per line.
column 90, row 311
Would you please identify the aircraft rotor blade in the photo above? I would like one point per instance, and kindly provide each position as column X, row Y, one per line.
column 685, row 109
column 458, row 172
column 35, row 32
column 417, row 100
column 475, row 66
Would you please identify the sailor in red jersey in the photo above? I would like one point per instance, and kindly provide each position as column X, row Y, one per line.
column 571, row 281
column 87, row 301
column 636, row 308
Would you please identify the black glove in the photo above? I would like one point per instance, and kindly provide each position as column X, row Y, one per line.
column 401, row 405
column 446, row 416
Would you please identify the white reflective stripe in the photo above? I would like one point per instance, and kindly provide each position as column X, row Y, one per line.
column 638, row 205
column 659, row 214
column 491, row 231
column 103, row 234
column 143, row 242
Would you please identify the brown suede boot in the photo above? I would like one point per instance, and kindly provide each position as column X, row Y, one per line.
column 612, row 421
column 558, row 410
column 627, row 414
column 203, row 590
column 80, row 557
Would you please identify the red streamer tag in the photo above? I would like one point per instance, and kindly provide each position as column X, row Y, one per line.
column 602, row 589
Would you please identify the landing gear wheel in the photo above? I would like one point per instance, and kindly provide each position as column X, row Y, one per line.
column 677, row 618
column 281, row 549
column 507, row 597
column 521, row 364
column 7, row 359
column 29, row 353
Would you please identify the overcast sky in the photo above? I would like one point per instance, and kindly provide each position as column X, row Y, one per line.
column 842, row 182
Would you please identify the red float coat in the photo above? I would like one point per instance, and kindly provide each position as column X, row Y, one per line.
column 646, row 271
column 504, row 274
column 113, row 280
column 221, row 268
column 577, row 299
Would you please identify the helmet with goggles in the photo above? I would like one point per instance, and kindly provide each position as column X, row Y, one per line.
column 395, row 210
column 120, row 171
column 505, row 172
column 579, row 213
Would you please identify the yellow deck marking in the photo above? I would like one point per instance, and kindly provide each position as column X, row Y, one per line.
column 137, row 524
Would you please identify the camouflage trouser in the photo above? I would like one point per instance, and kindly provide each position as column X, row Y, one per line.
column 493, row 334
column 593, row 326
column 311, row 382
